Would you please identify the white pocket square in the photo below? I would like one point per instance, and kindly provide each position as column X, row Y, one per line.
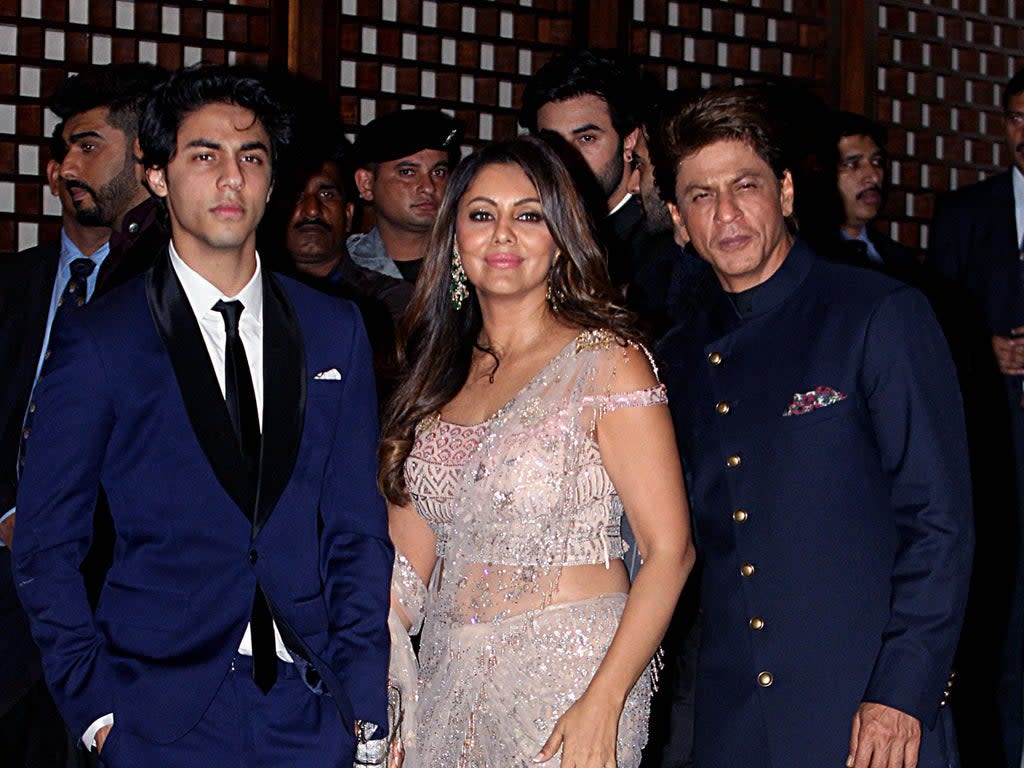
column 331, row 374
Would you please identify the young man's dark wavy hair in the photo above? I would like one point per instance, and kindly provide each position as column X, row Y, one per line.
column 190, row 89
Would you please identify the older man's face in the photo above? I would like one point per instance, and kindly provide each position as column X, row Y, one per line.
column 319, row 223
column 732, row 208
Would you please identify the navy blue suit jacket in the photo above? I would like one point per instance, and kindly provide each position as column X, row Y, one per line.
column 26, row 285
column 973, row 240
column 129, row 401
column 856, row 516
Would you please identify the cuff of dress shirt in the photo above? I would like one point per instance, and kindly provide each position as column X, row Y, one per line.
column 89, row 737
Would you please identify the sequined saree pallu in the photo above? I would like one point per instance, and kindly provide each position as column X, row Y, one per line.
column 512, row 502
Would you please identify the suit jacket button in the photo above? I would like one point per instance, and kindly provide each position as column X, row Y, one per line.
column 722, row 407
column 734, row 461
column 715, row 358
column 253, row 556
column 757, row 623
column 764, row 679
column 740, row 515
column 747, row 569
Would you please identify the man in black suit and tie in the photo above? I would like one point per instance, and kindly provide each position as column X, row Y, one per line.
column 94, row 172
column 229, row 415
column 101, row 108
column 975, row 240
column 31, row 282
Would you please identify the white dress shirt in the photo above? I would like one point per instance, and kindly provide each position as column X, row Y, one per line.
column 1018, row 201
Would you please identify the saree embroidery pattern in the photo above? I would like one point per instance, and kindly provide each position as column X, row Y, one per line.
column 513, row 501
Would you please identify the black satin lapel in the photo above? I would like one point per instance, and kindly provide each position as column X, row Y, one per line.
column 197, row 381
column 284, row 396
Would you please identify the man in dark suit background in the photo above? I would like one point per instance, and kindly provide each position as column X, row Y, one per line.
column 230, row 417
column 820, row 427
column 860, row 159
column 975, row 240
column 32, row 732
column 100, row 110
column 94, row 168
column 108, row 218
column 589, row 100
column 321, row 191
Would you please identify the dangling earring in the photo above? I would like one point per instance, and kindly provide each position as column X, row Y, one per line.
column 552, row 294
column 458, row 289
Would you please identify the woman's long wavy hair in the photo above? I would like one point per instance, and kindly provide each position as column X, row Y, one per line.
column 436, row 341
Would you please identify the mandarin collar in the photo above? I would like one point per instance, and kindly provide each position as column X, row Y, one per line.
column 768, row 295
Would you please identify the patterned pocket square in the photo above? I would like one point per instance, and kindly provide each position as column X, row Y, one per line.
column 331, row 374
column 819, row 397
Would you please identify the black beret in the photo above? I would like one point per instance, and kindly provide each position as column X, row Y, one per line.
column 406, row 132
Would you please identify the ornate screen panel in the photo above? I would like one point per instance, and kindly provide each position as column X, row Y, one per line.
column 706, row 43
column 469, row 58
column 942, row 66
column 43, row 41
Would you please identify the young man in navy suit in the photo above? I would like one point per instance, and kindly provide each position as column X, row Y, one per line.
column 229, row 415
column 819, row 421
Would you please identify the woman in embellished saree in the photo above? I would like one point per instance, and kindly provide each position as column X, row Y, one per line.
column 528, row 416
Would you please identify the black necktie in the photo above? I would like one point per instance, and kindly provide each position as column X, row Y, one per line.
column 238, row 392
column 73, row 295
column 240, row 399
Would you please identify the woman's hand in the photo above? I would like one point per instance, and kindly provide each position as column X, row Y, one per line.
column 586, row 733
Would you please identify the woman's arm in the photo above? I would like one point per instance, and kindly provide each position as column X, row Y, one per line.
column 639, row 451
column 414, row 541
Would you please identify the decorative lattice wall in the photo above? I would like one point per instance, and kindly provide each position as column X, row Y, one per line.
column 942, row 66
column 706, row 43
column 43, row 41
column 470, row 58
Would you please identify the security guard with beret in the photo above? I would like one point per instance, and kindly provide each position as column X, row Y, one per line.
column 402, row 161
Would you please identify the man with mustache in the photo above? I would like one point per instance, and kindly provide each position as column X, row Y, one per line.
column 31, row 730
column 402, row 161
column 975, row 239
column 861, row 162
column 322, row 192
